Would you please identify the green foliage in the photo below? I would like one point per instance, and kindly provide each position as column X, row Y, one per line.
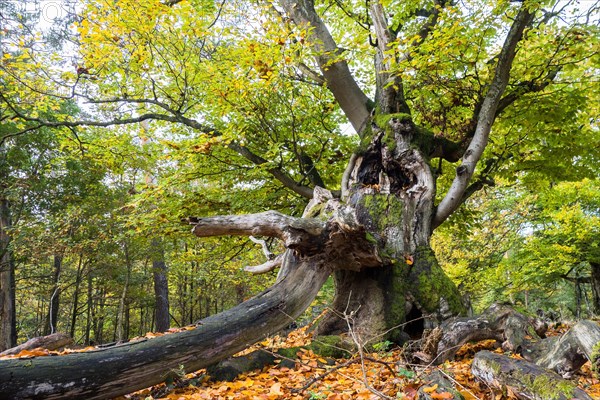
column 316, row 396
column 382, row 346
column 406, row 373
column 543, row 240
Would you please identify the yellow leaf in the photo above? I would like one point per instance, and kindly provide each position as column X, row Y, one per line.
column 430, row 389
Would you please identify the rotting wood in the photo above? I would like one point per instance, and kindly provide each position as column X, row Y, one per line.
column 124, row 368
column 566, row 354
column 523, row 379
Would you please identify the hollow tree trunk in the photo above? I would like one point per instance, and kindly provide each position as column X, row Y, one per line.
column 391, row 191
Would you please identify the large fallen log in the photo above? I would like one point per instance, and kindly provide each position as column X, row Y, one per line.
column 523, row 379
column 54, row 341
column 121, row 369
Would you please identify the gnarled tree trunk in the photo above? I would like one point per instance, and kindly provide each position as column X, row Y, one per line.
column 375, row 238
column 390, row 194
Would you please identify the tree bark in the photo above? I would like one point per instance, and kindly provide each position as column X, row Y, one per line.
column 595, row 280
column 8, row 326
column 390, row 193
column 498, row 322
column 523, row 379
column 566, row 354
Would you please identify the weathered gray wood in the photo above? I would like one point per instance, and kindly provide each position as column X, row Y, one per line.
column 293, row 231
column 50, row 342
column 523, row 379
column 565, row 355
column 121, row 369
column 498, row 322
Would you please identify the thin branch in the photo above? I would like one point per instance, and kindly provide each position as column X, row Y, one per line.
column 265, row 267
column 352, row 100
column 282, row 177
column 486, row 117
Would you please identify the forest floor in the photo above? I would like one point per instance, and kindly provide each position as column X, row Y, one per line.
column 377, row 375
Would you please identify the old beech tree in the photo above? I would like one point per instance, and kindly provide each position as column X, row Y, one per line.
column 437, row 83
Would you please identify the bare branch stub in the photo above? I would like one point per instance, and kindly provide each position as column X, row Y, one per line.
column 270, row 265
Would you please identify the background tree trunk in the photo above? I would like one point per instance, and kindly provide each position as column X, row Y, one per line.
column 121, row 331
column 8, row 327
column 54, row 304
column 595, row 278
column 161, row 286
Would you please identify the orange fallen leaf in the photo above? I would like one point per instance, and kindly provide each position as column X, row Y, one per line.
column 430, row 389
column 442, row 396
column 37, row 352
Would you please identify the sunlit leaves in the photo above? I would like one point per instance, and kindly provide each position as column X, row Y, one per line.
column 542, row 238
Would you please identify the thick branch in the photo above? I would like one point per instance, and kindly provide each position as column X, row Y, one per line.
column 390, row 91
column 345, row 89
column 294, row 232
column 51, row 342
column 486, row 117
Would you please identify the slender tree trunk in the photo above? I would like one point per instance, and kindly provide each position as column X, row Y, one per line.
column 54, row 304
column 99, row 317
column 595, row 277
column 120, row 330
column 76, row 295
column 90, row 308
column 8, row 326
column 161, row 286
column 577, row 298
